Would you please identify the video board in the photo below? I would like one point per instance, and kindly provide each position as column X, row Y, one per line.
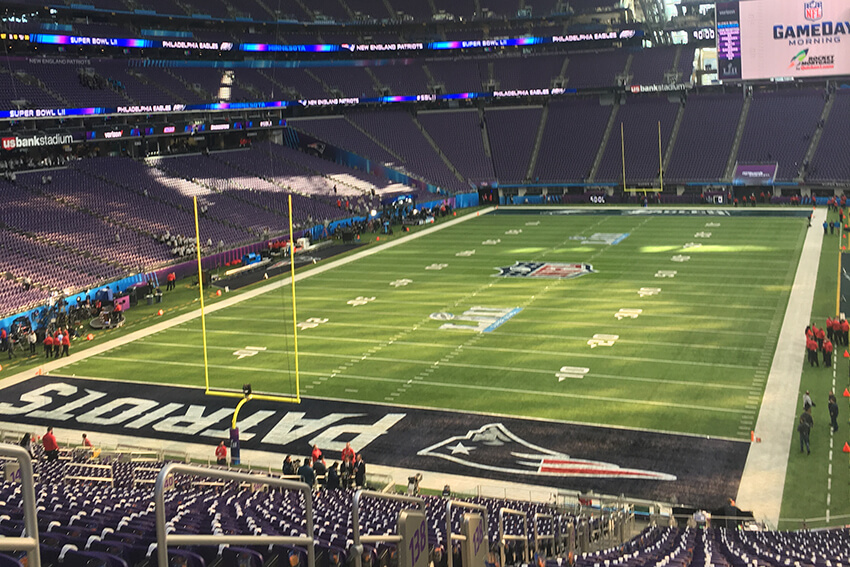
column 767, row 39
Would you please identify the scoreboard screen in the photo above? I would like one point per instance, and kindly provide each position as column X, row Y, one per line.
column 766, row 39
column 728, row 40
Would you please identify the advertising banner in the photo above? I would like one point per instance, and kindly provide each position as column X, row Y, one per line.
column 761, row 174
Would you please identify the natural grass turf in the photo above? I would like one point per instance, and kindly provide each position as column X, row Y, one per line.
column 694, row 361
column 808, row 479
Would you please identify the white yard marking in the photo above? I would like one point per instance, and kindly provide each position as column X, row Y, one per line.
column 247, row 352
column 712, row 224
column 573, row 372
column 692, row 245
column 666, row 274
column 514, row 232
column 360, row 301
column 702, row 235
column 436, row 266
column 602, row 340
column 401, row 283
column 649, row 291
column 465, row 253
column 533, row 223
column 680, row 258
column 491, row 242
column 628, row 314
column 311, row 323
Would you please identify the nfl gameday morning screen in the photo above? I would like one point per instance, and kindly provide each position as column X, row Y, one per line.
column 763, row 39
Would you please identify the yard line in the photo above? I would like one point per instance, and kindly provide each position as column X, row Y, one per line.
column 472, row 347
column 575, row 295
column 564, row 354
column 439, row 304
column 595, row 325
column 445, row 385
column 310, row 335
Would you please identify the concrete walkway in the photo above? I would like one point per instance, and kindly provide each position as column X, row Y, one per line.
column 763, row 481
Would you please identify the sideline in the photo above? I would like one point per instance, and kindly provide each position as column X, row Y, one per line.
column 229, row 302
column 763, row 479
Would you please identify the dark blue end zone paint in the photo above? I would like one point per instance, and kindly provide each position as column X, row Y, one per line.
column 706, row 472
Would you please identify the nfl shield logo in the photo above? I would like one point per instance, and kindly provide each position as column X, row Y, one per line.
column 814, row 10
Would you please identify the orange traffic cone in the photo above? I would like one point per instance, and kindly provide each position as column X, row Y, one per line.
column 38, row 372
column 846, row 393
column 159, row 312
column 846, row 354
column 846, row 448
column 752, row 436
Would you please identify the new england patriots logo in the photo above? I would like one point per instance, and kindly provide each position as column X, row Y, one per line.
column 814, row 10
column 494, row 443
column 549, row 270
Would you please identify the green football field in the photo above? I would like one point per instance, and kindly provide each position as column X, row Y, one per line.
column 673, row 330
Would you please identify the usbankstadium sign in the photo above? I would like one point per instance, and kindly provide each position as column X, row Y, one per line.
column 15, row 142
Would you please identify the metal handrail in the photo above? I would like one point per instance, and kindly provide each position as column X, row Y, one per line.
column 503, row 538
column 566, row 539
column 537, row 535
column 29, row 543
column 460, row 537
column 163, row 539
column 355, row 519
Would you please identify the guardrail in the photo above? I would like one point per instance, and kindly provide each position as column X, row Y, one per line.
column 29, row 542
column 359, row 539
column 505, row 538
column 163, row 539
column 538, row 537
column 450, row 536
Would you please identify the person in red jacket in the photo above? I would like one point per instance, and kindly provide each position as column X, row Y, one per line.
column 829, row 328
column 827, row 353
column 51, row 447
column 48, row 345
column 836, row 330
column 316, row 455
column 845, row 327
column 66, row 342
column 812, row 349
column 819, row 336
column 221, row 454
column 348, row 453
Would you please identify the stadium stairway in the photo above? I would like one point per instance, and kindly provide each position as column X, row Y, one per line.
column 813, row 146
column 532, row 163
column 597, row 161
column 739, row 135
column 668, row 152
column 437, row 149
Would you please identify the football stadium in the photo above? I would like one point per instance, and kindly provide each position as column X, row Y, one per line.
column 406, row 284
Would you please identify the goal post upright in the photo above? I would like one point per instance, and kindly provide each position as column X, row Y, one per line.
column 227, row 393
column 660, row 159
column 623, row 154
column 294, row 315
column 201, row 296
column 660, row 163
